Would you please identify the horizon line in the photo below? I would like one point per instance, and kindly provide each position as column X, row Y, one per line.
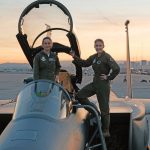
column 71, row 60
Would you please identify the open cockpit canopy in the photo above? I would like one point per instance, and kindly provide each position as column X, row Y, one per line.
column 42, row 15
column 47, row 18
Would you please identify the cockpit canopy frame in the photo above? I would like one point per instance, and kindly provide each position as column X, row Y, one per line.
column 30, row 50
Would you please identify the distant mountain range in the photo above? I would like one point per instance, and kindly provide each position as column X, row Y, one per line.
column 24, row 67
column 15, row 67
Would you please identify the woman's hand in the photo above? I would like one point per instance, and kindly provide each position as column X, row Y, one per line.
column 72, row 53
column 57, row 78
column 103, row 77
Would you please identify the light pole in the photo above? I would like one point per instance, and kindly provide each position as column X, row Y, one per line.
column 49, row 33
column 128, row 75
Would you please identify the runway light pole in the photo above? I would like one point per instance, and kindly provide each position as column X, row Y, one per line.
column 128, row 75
column 49, row 33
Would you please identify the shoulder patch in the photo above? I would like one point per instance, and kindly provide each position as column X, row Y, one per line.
column 111, row 59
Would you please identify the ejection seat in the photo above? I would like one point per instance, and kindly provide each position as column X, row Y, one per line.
column 65, row 81
column 68, row 81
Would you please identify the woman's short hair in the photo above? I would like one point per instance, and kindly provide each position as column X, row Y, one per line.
column 47, row 37
column 99, row 40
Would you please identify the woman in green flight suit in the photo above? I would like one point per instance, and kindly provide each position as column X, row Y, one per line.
column 46, row 64
column 105, row 69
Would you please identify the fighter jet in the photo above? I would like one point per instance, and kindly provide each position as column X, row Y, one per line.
column 46, row 116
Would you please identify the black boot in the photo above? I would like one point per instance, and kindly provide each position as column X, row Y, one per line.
column 105, row 125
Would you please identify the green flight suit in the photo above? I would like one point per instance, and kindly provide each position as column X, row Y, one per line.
column 46, row 67
column 103, row 64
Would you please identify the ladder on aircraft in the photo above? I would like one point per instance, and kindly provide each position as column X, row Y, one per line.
column 98, row 131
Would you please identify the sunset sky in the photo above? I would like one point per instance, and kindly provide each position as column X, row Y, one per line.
column 92, row 19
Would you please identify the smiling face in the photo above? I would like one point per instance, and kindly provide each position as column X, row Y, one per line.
column 47, row 44
column 99, row 45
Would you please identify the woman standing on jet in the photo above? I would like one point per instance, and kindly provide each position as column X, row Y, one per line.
column 46, row 64
column 105, row 69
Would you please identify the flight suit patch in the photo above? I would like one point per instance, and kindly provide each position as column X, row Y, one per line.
column 43, row 58
column 51, row 59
